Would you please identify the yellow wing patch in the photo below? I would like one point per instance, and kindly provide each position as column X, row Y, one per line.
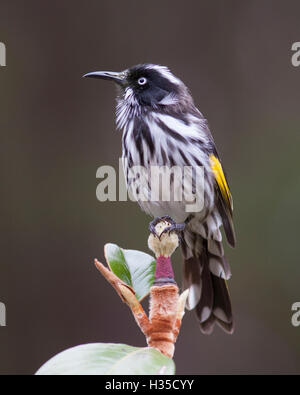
column 221, row 180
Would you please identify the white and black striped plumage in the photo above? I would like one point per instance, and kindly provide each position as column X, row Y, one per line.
column 162, row 126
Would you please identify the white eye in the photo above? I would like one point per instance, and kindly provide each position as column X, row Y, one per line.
column 142, row 81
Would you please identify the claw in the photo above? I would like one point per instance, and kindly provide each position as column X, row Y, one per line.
column 157, row 220
column 174, row 227
column 178, row 228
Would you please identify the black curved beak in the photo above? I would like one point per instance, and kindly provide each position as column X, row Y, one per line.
column 118, row 78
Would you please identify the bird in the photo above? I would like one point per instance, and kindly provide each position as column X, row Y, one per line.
column 161, row 126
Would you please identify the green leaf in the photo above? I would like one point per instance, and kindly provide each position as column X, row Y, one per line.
column 135, row 268
column 108, row 359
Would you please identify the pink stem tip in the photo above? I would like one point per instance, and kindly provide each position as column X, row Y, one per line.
column 163, row 268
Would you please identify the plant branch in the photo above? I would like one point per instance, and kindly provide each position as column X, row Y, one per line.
column 166, row 306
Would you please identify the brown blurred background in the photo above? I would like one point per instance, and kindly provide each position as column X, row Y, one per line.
column 57, row 129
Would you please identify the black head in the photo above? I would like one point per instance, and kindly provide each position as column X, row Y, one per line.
column 147, row 85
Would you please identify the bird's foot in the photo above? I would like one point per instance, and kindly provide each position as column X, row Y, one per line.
column 172, row 227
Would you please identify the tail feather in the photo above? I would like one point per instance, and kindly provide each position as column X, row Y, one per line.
column 208, row 326
column 205, row 276
column 228, row 328
column 206, row 302
column 192, row 279
column 222, row 305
